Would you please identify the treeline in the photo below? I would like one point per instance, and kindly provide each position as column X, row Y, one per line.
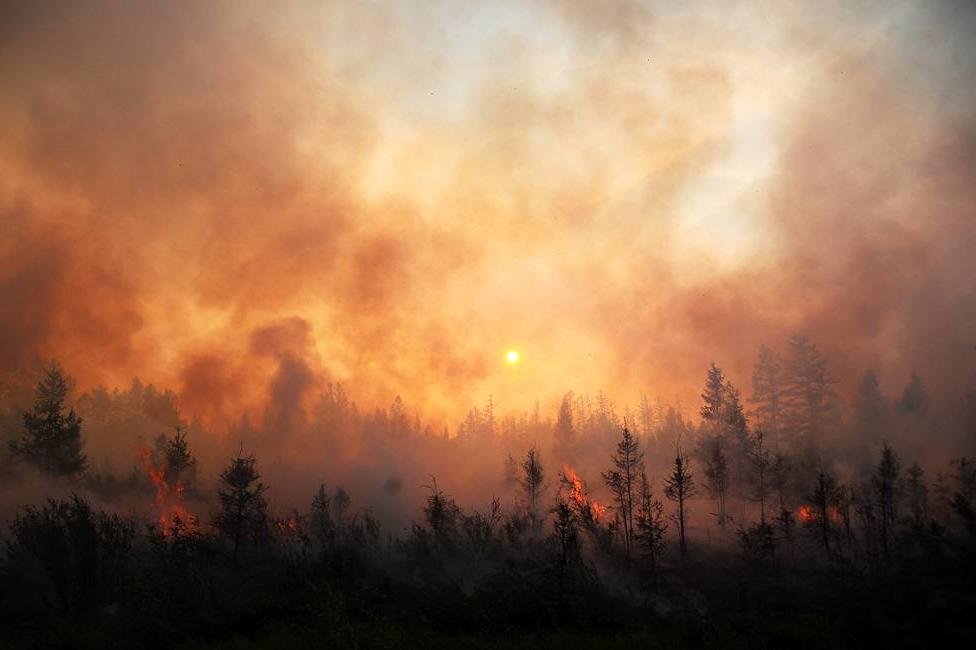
column 802, row 539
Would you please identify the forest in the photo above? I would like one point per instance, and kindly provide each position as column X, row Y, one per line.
column 784, row 518
column 504, row 324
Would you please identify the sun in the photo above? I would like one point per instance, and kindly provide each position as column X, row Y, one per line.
column 512, row 357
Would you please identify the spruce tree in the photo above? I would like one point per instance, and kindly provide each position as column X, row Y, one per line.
column 52, row 441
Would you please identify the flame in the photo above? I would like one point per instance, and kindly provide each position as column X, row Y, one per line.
column 173, row 515
column 808, row 514
column 577, row 493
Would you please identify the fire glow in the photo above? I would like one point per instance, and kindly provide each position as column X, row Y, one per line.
column 578, row 496
column 173, row 515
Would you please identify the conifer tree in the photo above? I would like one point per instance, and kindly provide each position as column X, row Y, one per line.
column 52, row 441
column 679, row 487
column 243, row 511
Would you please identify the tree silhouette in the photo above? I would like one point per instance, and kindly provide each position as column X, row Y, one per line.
column 888, row 490
column 767, row 392
column 717, row 477
column 623, row 482
column 179, row 465
column 532, row 482
column 760, row 476
column 243, row 508
column 565, row 433
column 679, row 486
column 806, row 391
column 823, row 499
column 918, row 493
column 52, row 441
column 651, row 526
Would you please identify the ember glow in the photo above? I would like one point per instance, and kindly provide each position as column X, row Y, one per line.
column 172, row 515
column 579, row 498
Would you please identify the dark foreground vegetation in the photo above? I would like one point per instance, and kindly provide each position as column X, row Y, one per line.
column 798, row 558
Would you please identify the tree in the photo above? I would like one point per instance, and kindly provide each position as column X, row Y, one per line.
column 679, row 487
column 52, row 441
column 179, row 466
column 823, row 500
column 759, row 459
column 340, row 504
column 321, row 522
column 623, row 482
column 243, row 508
column 780, row 475
column 532, row 482
column 565, row 534
column 646, row 415
column 807, row 396
column 918, row 493
column 767, row 392
column 651, row 526
column 717, row 477
column 870, row 410
column 914, row 399
column 713, row 399
column 888, row 491
column 565, row 433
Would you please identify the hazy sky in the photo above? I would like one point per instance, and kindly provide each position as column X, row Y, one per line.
column 223, row 197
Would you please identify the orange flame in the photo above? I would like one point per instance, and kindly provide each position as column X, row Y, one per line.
column 173, row 515
column 577, row 493
column 808, row 514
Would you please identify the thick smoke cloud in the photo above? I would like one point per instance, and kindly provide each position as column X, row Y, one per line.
column 245, row 203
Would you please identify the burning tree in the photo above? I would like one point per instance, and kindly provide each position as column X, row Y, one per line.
column 587, row 510
column 679, row 487
column 170, row 469
column 53, row 438
column 243, row 508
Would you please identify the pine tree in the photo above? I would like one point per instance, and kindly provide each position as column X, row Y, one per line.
column 760, row 462
column 679, row 487
column 243, row 508
column 918, row 493
column 767, row 393
column 623, row 481
column 824, row 500
column 713, row 396
column 806, row 391
column 179, row 464
column 340, row 504
column 888, row 490
column 717, row 477
column 322, row 526
column 532, row 482
column 651, row 526
column 565, row 433
column 870, row 410
column 914, row 400
column 53, row 438
column 646, row 415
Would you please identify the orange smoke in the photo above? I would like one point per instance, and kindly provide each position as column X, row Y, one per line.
column 173, row 514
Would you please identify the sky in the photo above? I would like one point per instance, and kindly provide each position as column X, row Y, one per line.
column 233, row 199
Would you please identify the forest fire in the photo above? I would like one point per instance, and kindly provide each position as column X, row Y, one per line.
column 577, row 494
column 173, row 514
column 808, row 514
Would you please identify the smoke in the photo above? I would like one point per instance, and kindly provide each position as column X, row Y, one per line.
column 246, row 204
